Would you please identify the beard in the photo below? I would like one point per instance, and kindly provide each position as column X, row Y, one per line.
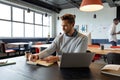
column 67, row 32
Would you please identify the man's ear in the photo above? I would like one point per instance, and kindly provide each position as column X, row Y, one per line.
column 73, row 24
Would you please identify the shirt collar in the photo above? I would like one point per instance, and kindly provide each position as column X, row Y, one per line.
column 74, row 33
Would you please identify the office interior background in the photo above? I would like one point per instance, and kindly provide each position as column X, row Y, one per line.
column 19, row 19
column 27, row 25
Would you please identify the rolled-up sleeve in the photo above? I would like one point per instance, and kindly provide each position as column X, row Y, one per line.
column 51, row 49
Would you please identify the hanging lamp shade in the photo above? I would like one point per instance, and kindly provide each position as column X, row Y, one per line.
column 91, row 5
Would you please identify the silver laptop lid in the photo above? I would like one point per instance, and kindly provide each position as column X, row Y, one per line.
column 76, row 60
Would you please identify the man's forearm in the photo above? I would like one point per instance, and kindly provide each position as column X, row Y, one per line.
column 116, row 33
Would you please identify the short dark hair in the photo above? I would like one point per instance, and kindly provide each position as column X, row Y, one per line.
column 69, row 17
column 116, row 19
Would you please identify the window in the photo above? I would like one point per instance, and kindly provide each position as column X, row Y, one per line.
column 38, row 31
column 29, row 30
column 50, row 26
column 46, row 31
column 18, row 22
column 28, row 16
column 18, row 29
column 5, row 12
column 17, row 14
column 46, row 25
column 5, row 30
column 38, row 18
column 45, row 20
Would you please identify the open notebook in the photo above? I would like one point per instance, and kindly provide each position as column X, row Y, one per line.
column 111, row 69
column 39, row 62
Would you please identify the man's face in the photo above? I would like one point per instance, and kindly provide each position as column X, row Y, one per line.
column 67, row 27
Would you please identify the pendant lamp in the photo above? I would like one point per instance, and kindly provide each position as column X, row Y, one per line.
column 91, row 5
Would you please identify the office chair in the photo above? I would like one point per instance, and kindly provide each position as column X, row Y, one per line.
column 97, row 56
column 3, row 49
column 28, row 47
column 113, row 58
column 96, row 44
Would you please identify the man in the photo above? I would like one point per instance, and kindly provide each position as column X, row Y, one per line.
column 113, row 33
column 69, row 42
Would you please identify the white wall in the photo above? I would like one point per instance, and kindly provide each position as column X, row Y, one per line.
column 98, row 27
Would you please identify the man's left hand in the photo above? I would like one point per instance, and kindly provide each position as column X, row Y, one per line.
column 51, row 59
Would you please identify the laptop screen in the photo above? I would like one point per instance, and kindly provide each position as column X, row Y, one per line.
column 73, row 60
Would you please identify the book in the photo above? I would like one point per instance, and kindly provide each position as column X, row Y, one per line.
column 40, row 62
column 111, row 69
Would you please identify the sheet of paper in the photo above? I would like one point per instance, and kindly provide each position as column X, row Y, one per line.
column 32, row 63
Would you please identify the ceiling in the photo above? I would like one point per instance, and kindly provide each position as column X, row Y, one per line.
column 58, row 5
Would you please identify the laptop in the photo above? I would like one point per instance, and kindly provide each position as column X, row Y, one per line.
column 76, row 60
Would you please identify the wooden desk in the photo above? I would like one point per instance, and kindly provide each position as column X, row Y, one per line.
column 23, row 71
column 105, row 51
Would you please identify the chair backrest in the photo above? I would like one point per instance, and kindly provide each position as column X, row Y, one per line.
column 113, row 58
column 28, row 46
column 114, row 46
column 96, row 44
column 2, row 47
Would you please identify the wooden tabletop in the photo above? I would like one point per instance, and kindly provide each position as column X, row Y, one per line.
column 105, row 51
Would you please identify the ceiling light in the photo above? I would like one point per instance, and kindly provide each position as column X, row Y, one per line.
column 91, row 5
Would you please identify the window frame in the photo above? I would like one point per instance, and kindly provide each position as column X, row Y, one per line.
column 23, row 22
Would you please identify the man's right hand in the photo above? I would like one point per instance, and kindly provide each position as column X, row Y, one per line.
column 33, row 57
